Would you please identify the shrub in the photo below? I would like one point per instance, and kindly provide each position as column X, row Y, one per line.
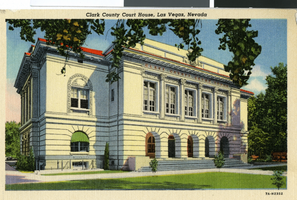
column 250, row 160
column 106, row 157
column 154, row 165
column 277, row 180
column 268, row 158
column 219, row 160
column 26, row 163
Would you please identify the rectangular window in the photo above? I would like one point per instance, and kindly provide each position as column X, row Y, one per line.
column 189, row 103
column 205, row 106
column 149, row 96
column 220, row 107
column 112, row 95
column 170, row 100
column 79, row 98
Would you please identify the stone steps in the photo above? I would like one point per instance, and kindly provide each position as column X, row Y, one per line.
column 182, row 164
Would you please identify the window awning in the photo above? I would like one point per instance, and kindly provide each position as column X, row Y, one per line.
column 79, row 137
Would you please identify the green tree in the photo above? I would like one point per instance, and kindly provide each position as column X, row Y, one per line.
column 106, row 157
column 70, row 34
column 219, row 160
column 154, row 165
column 277, row 179
column 12, row 138
column 276, row 107
column 267, row 115
column 240, row 42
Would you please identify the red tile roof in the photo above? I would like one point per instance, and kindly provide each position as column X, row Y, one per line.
column 242, row 90
column 88, row 50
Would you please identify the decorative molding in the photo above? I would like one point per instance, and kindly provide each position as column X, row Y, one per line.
column 216, row 89
column 206, row 89
column 191, row 85
column 172, row 81
column 183, row 81
column 163, row 77
column 142, row 72
column 151, row 76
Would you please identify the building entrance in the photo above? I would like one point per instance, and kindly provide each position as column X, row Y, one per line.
column 171, row 146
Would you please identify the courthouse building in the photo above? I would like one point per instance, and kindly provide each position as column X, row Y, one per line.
column 163, row 107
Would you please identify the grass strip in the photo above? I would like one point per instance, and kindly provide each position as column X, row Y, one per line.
column 280, row 168
column 210, row 180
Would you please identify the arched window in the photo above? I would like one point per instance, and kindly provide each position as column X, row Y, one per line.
column 79, row 94
column 79, row 142
column 151, row 146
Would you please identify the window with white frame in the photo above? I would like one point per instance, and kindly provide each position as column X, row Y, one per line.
column 149, row 96
column 79, row 98
column 220, row 108
column 189, row 103
column 205, row 105
column 171, row 100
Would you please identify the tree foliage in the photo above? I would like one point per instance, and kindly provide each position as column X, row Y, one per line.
column 219, row 160
column 240, row 42
column 26, row 162
column 106, row 157
column 70, row 34
column 267, row 115
column 12, row 138
column 154, row 165
column 277, row 179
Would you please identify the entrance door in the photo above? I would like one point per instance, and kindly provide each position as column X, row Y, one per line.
column 190, row 146
column 171, row 146
column 206, row 147
column 224, row 146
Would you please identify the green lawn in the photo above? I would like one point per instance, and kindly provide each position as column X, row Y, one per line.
column 280, row 168
column 216, row 180
column 90, row 172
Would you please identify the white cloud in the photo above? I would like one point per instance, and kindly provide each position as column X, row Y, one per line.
column 255, row 85
column 13, row 102
column 258, row 72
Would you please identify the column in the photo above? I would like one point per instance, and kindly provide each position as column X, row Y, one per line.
column 162, row 95
column 199, row 95
column 34, row 93
column 22, row 107
column 29, row 100
column 25, row 105
column 215, row 117
column 182, row 99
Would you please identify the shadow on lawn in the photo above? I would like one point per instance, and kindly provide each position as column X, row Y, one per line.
column 107, row 185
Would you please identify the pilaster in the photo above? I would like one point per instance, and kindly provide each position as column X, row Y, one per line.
column 182, row 99
column 162, row 95
column 215, row 116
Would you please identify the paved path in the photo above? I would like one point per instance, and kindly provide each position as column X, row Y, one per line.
column 13, row 177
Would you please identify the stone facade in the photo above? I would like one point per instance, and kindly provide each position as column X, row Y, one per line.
column 163, row 106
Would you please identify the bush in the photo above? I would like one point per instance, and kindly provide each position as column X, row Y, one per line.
column 268, row 158
column 219, row 160
column 277, row 180
column 154, row 165
column 106, row 157
column 250, row 160
column 26, row 163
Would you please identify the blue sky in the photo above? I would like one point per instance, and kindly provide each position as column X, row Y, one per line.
column 272, row 36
